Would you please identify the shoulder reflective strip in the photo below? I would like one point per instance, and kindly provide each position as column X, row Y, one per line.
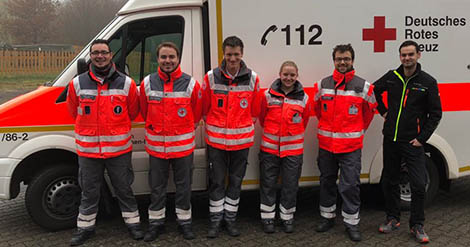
column 130, row 214
column 284, row 216
column 253, row 81
column 127, row 86
column 160, row 138
column 111, row 149
column 287, row 211
column 292, row 138
column 86, row 217
column 147, row 85
column 230, row 142
column 230, row 208
column 319, row 92
column 267, row 208
column 85, row 224
column 102, row 138
column 76, row 85
column 369, row 98
column 295, row 102
column 88, row 92
column 291, row 147
column 173, row 149
column 268, row 215
column 216, row 209
column 232, row 201
column 328, row 209
column 344, row 135
column 190, row 88
column 210, row 75
column 327, row 215
column 182, row 214
column 217, row 203
column 156, row 215
column 350, row 216
column 270, row 99
column 228, row 131
column 269, row 145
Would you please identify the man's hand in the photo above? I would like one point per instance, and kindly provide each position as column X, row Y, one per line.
column 416, row 143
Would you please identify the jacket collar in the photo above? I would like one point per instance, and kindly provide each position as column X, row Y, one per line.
column 94, row 76
column 171, row 76
column 243, row 70
column 339, row 77
column 296, row 93
column 401, row 70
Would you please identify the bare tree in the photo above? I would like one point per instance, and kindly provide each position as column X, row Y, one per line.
column 29, row 21
column 81, row 20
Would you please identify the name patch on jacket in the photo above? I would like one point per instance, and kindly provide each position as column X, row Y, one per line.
column 327, row 97
column 155, row 98
column 86, row 96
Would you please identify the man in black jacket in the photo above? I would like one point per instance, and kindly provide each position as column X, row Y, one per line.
column 412, row 115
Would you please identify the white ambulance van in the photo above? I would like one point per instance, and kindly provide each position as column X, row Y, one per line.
column 37, row 140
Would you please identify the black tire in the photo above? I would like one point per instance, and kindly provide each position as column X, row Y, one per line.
column 53, row 197
column 432, row 186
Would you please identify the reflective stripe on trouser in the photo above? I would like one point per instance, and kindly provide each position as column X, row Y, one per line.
column 289, row 169
column 90, row 178
column 349, row 165
column 221, row 161
column 158, row 180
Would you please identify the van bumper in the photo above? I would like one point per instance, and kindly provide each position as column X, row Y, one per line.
column 7, row 166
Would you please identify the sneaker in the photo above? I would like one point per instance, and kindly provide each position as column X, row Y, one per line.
column 268, row 226
column 389, row 226
column 325, row 224
column 187, row 231
column 418, row 232
column 81, row 236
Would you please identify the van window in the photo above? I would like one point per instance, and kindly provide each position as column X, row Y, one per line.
column 138, row 40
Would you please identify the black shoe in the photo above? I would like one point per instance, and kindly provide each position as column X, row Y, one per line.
column 353, row 232
column 153, row 232
column 214, row 229
column 288, row 226
column 81, row 236
column 268, row 226
column 136, row 232
column 232, row 229
column 325, row 225
column 187, row 231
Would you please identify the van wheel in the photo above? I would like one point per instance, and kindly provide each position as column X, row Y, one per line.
column 53, row 197
column 432, row 185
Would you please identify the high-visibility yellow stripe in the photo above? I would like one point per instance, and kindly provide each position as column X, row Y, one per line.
column 50, row 128
column 219, row 29
column 464, row 169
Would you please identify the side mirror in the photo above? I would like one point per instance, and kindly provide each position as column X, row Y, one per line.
column 82, row 66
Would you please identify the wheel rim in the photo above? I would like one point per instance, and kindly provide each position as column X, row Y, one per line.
column 62, row 198
column 405, row 188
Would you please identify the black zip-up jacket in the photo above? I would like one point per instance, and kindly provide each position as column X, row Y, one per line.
column 414, row 106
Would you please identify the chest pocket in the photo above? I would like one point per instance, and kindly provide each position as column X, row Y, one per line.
column 118, row 108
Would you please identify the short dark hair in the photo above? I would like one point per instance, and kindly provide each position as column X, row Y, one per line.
column 100, row 41
column 343, row 49
column 168, row 45
column 232, row 41
column 408, row 43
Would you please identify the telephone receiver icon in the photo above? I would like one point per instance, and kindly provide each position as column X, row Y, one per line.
column 272, row 28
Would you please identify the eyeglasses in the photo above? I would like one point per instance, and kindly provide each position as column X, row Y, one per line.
column 96, row 53
column 345, row 59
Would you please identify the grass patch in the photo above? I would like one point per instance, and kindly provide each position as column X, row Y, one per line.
column 23, row 82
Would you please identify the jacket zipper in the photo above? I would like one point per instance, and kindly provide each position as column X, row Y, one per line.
column 401, row 101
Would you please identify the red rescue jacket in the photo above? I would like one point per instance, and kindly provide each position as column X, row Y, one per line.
column 284, row 118
column 103, row 109
column 171, row 107
column 228, row 108
column 344, row 105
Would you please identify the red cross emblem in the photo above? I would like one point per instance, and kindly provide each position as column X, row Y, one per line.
column 379, row 34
